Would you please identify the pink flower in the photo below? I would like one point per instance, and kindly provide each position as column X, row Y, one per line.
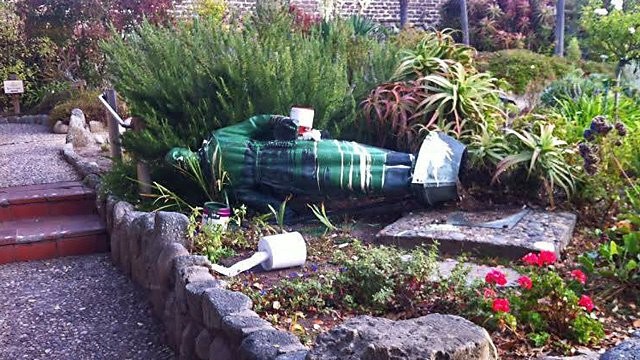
column 530, row 259
column 586, row 303
column 500, row 305
column 546, row 258
column 525, row 282
column 489, row 293
column 579, row 276
column 495, row 277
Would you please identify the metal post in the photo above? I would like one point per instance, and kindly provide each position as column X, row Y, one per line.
column 144, row 176
column 464, row 19
column 112, row 123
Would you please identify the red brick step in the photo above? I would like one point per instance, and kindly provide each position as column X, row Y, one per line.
column 46, row 221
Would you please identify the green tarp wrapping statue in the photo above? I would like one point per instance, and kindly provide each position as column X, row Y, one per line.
column 265, row 161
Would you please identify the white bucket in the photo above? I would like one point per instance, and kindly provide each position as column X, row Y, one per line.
column 304, row 117
column 274, row 252
column 284, row 250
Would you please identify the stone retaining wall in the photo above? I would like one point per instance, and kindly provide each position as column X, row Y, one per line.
column 25, row 119
column 203, row 320
column 424, row 13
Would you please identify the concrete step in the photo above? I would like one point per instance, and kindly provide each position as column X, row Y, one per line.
column 40, row 222
column 37, row 201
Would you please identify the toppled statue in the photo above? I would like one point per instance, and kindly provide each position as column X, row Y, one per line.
column 265, row 161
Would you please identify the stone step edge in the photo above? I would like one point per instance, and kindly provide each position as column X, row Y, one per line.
column 50, row 249
column 33, row 194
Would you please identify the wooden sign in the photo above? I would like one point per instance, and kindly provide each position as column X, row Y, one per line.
column 13, row 87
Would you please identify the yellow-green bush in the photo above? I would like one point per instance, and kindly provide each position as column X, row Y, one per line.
column 525, row 70
column 86, row 101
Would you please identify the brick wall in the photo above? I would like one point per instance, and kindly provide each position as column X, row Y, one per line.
column 387, row 12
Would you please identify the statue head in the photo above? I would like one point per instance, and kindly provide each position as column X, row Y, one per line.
column 435, row 175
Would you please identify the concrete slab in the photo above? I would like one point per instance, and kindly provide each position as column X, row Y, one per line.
column 522, row 233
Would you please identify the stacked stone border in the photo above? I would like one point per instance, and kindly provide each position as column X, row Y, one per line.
column 202, row 319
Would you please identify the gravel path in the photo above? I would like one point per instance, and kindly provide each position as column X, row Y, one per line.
column 74, row 308
column 30, row 154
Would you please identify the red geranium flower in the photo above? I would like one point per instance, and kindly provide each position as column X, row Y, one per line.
column 530, row 259
column 525, row 282
column 546, row 258
column 489, row 293
column 495, row 277
column 500, row 305
column 586, row 303
column 579, row 276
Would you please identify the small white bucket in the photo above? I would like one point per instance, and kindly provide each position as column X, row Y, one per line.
column 284, row 250
column 304, row 118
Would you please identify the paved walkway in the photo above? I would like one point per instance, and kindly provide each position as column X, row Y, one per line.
column 30, row 154
column 72, row 308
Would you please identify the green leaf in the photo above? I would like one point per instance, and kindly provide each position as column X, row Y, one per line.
column 613, row 249
column 632, row 243
column 631, row 265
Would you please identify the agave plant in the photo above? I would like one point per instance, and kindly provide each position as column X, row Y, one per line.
column 457, row 95
column 387, row 114
column 545, row 155
column 362, row 26
column 435, row 52
column 487, row 146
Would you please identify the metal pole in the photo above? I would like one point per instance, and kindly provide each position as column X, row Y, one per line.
column 464, row 19
column 112, row 122
column 559, row 51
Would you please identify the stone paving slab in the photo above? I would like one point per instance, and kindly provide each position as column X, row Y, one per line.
column 75, row 308
column 30, row 154
column 537, row 230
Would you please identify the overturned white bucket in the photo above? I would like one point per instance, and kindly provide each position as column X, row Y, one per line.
column 274, row 252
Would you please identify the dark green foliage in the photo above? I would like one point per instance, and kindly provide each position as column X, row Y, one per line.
column 86, row 101
column 189, row 80
column 523, row 68
column 573, row 86
column 119, row 181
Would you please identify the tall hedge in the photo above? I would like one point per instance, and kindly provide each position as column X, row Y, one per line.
column 188, row 80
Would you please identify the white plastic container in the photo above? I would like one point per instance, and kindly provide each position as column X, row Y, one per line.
column 274, row 252
column 284, row 250
column 304, row 117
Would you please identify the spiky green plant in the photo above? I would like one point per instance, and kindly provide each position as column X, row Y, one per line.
column 456, row 95
column 545, row 156
column 435, row 52
column 487, row 146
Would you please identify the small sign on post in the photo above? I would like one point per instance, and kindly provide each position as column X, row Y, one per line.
column 14, row 87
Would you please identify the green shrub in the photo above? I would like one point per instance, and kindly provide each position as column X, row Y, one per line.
column 523, row 69
column 573, row 86
column 573, row 50
column 189, row 80
column 86, row 101
column 48, row 96
column 372, row 277
column 32, row 59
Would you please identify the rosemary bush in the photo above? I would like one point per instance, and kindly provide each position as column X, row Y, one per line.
column 190, row 79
